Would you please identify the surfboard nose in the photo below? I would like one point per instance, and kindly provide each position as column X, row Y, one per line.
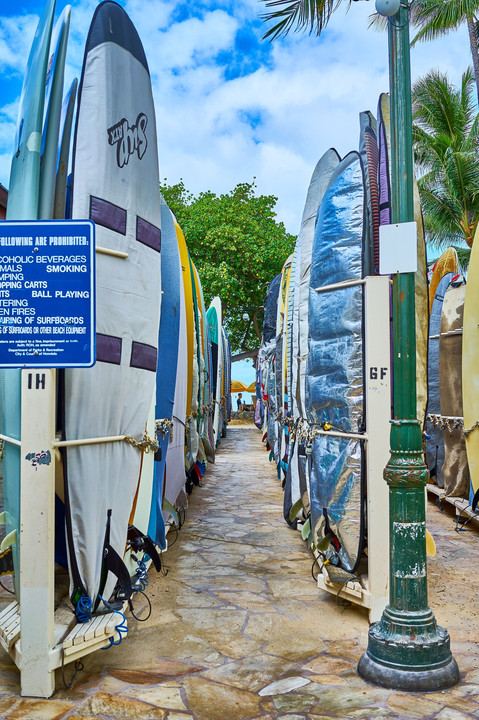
column 111, row 24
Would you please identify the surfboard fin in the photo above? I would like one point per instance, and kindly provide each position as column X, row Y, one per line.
column 8, row 541
column 430, row 544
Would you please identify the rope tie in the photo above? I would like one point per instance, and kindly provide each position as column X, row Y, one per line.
column 163, row 426
column 450, row 423
column 145, row 445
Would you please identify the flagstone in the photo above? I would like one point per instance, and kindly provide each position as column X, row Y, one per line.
column 328, row 664
column 211, row 701
column 293, row 702
column 298, row 588
column 120, row 707
column 6, row 704
column 112, row 685
column 449, row 713
column 328, row 679
column 247, row 600
column 283, row 686
column 251, row 673
column 228, row 620
column 39, row 710
column 417, row 709
column 236, row 646
column 197, row 599
column 164, row 696
column 298, row 646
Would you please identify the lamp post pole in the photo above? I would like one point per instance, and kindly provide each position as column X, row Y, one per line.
column 406, row 648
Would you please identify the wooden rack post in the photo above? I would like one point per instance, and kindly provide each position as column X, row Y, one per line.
column 37, row 532
column 372, row 591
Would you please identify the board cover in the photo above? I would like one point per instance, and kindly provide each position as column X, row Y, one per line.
column 434, row 437
column 115, row 183
column 335, row 374
column 455, row 468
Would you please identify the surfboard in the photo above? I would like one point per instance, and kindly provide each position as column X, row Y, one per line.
column 226, row 385
column 175, row 476
column 206, row 427
column 23, row 205
column 434, row 436
column 66, row 121
column 317, row 187
column 204, row 399
column 267, row 359
column 52, row 115
column 283, row 431
column 115, row 184
column 141, row 510
column 335, row 372
column 200, row 459
column 193, row 436
column 190, row 329
column 447, row 263
column 228, row 376
column 214, row 326
column 369, row 152
column 470, row 364
column 455, row 468
column 166, row 375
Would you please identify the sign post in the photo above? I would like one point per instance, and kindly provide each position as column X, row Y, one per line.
column 47, row 321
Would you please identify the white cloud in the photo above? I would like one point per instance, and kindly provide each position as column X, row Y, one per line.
column 301, row 96
column 16, row 34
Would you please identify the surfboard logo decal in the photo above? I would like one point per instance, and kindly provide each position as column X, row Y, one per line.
column 129, row 139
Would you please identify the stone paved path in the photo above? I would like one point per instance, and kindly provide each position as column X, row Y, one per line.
column 239, row 629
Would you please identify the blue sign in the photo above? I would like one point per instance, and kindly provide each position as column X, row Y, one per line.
column 47, row 294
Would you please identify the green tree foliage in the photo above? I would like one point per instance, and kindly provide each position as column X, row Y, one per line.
column 445, row 139
column 237, row 246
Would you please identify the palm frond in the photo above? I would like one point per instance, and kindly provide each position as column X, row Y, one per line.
column 437, row 17
column 297, row 15
column 463, row 255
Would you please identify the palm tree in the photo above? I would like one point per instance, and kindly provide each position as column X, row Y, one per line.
column 445, row 141
column 299, row 15
column 437, row 17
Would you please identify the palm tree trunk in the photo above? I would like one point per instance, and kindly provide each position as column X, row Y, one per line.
column 472, row 28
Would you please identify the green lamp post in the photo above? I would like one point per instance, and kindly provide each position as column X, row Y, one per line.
column 406, row 648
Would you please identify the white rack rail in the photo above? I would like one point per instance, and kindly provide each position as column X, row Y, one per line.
column 372, row 591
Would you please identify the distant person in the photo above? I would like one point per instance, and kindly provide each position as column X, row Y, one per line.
column 240, row 402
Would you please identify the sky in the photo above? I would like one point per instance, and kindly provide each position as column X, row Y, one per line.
column 231, row 107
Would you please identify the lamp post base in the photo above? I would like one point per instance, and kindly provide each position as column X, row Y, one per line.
column 413, row 681
column 399, row 658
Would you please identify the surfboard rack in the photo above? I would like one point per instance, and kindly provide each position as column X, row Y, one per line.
column 39, row 634
column 371, row 590
column 461, row 506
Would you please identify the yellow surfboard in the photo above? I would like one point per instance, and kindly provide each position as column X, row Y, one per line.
column 470, row 364
column 447, row 263
column 190, row 321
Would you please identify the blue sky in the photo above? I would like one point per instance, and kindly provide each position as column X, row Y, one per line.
column 230, row 106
